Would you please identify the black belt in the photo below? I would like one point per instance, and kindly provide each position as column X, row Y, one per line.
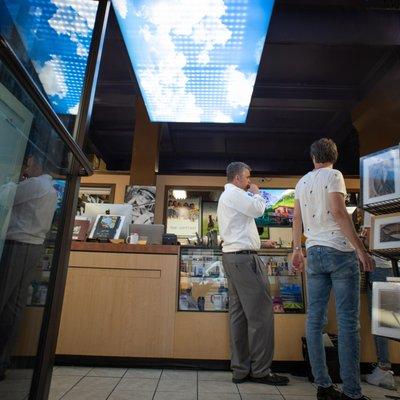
column 243, row 252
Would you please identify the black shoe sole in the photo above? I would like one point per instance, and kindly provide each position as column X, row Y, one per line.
column 265, row 382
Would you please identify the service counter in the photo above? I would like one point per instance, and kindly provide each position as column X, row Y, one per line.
column 122, row 300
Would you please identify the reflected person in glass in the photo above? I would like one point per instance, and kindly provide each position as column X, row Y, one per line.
column 31, row 216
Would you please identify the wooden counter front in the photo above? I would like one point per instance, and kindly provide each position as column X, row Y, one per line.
column 120, row 300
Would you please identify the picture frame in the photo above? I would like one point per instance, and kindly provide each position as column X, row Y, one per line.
column 95, row 193
column 380, row 180
column 385, row 233
column 386, row 309
column 143, row 201
column 107, row 227
column 209, row 218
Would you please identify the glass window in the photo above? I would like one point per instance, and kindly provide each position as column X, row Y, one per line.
column 34, row 163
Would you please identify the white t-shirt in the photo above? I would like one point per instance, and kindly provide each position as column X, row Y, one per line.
column 236, row 213
column 320, row 227
column 33, row 210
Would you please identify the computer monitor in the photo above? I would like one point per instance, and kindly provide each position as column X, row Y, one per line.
column 92, row 210
column 153, row 232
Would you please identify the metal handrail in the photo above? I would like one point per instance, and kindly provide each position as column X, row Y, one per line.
column 9, row 58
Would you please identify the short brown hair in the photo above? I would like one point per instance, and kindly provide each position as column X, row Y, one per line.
column 324, row 151
column 235, row 168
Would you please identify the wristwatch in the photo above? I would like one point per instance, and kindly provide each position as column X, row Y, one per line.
column 297, row 248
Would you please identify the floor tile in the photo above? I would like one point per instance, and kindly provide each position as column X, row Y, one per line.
column 13, row 395
column 137, row 384
column 375, row 391
column 143, row 373
column 173, row 385
column 220, row 376
column 131, row 395
column 179, row 374
column 61, row 384
column 258, row 396
column 19, row 373
column 108, row 372
column 71, row 371
column 92, row 388
column 15, row 385
column 296, row 397
column 298, row 388
column 217, row 387
column 257, row 388
column 219, row 396
column 175, row 395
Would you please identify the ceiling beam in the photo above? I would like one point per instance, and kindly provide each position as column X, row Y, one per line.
column 334, row 27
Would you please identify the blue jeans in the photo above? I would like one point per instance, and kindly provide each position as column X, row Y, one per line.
column 327, row 268
column 381, row 343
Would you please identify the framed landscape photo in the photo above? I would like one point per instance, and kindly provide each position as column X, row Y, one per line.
column 385, row 233
column 107, row 227
column 386, row 309
column 380, row 177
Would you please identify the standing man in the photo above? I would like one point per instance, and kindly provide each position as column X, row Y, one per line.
column 250, row 303
column 332, row 250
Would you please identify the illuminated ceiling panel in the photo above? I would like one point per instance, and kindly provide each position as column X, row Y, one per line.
column 56, row 35
column 195, row 60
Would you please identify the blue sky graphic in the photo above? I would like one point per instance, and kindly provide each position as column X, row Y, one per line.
column 195, row 61
column 56, row 35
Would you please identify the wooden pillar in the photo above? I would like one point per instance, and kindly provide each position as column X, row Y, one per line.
column 144, row 164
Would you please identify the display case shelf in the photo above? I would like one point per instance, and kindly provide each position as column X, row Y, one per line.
column 203, row 285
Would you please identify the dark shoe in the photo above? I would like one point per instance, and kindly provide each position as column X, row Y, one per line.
column 329, row 393
column 344, row 397
column 241, row 380
column 272, row 379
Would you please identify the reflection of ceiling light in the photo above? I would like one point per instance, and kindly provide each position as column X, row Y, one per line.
column 179, row 194
column 56, row 36
column 195, row 61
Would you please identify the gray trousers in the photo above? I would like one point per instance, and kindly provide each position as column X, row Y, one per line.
column 17, row 269
column 251, row 315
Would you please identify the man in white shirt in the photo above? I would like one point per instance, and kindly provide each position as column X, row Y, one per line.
column 250, row 303
column 332, row 250
column 33, row 209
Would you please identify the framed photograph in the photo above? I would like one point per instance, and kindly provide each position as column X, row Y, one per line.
column 183, row 217
column 380, row 176
column 385, row 233
column 95, row 193
column 386, row 309
column 280, row 207
column 209, row 220
column 107, row 227
column 81, row 229
column 143, row 201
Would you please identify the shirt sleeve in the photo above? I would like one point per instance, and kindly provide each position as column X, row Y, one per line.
column 336, row 183
column 252, row 206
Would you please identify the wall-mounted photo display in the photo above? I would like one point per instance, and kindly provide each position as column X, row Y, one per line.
column 143, row 201
column 107, row 227
column 380, row 177
column 209, row 218
column 183, row 216
column 95, row 193
column 81, row 229
column 280, row 207
column 385, row 233
column 386, row 309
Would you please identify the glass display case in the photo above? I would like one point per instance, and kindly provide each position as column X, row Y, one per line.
column 203, row 285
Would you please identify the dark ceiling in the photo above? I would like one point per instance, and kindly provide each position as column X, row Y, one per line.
column 321, row 58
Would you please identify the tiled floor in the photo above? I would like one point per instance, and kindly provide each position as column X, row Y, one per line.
column 85, row 383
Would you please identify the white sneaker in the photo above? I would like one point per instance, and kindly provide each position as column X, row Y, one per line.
column 382, row 378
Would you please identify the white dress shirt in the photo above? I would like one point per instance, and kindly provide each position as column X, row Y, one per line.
column 236, row 213
column 33, row 210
